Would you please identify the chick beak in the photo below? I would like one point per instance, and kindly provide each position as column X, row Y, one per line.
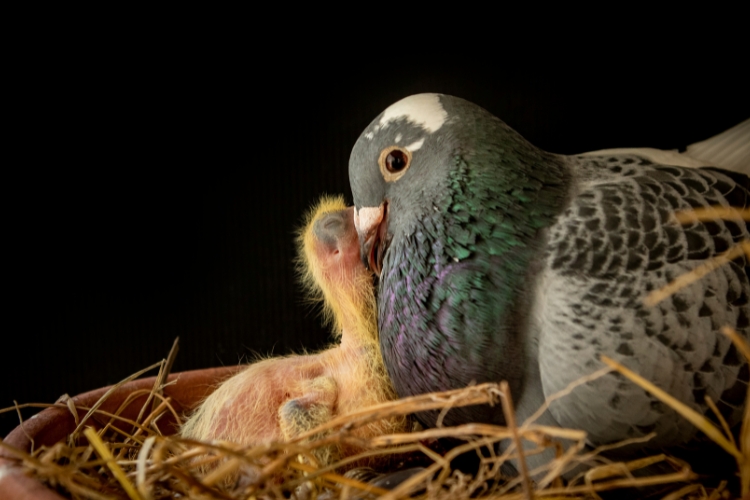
column 371, row 224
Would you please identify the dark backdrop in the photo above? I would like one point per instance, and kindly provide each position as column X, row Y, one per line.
column 158, row 196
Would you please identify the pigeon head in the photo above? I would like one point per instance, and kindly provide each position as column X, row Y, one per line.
column 402, row 163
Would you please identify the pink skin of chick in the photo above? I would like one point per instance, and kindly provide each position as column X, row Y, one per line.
column 280, row 398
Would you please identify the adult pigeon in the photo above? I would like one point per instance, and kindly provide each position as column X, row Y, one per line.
column 500, row 261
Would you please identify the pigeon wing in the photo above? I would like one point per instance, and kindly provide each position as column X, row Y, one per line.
column 617, row 241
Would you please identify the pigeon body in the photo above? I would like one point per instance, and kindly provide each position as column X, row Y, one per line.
column 499, row 261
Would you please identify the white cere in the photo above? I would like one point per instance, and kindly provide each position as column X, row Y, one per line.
column 367, row 218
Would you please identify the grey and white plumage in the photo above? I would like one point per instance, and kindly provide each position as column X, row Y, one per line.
column 502, row 261
column 615, row 242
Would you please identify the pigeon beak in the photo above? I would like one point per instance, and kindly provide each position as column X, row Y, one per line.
column 371, row 224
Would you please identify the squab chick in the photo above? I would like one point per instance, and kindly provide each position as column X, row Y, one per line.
column 280, row 398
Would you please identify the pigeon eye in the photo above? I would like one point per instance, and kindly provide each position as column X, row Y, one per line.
column 394, row 162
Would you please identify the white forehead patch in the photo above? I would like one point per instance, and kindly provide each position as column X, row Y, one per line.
column 424, row 110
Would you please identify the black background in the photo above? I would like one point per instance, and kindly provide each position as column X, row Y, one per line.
column 156, row 195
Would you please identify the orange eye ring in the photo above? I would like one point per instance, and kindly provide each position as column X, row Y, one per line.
column 394, row 161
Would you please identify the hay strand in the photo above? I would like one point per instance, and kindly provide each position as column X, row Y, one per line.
column 697, row 273
column 110, row 391
column 698, row 420
column 104, row 452
column 510, row 420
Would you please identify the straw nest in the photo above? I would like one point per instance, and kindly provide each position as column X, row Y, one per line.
column 145, row 464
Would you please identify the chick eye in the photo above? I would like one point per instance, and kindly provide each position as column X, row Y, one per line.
column 394, row 162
